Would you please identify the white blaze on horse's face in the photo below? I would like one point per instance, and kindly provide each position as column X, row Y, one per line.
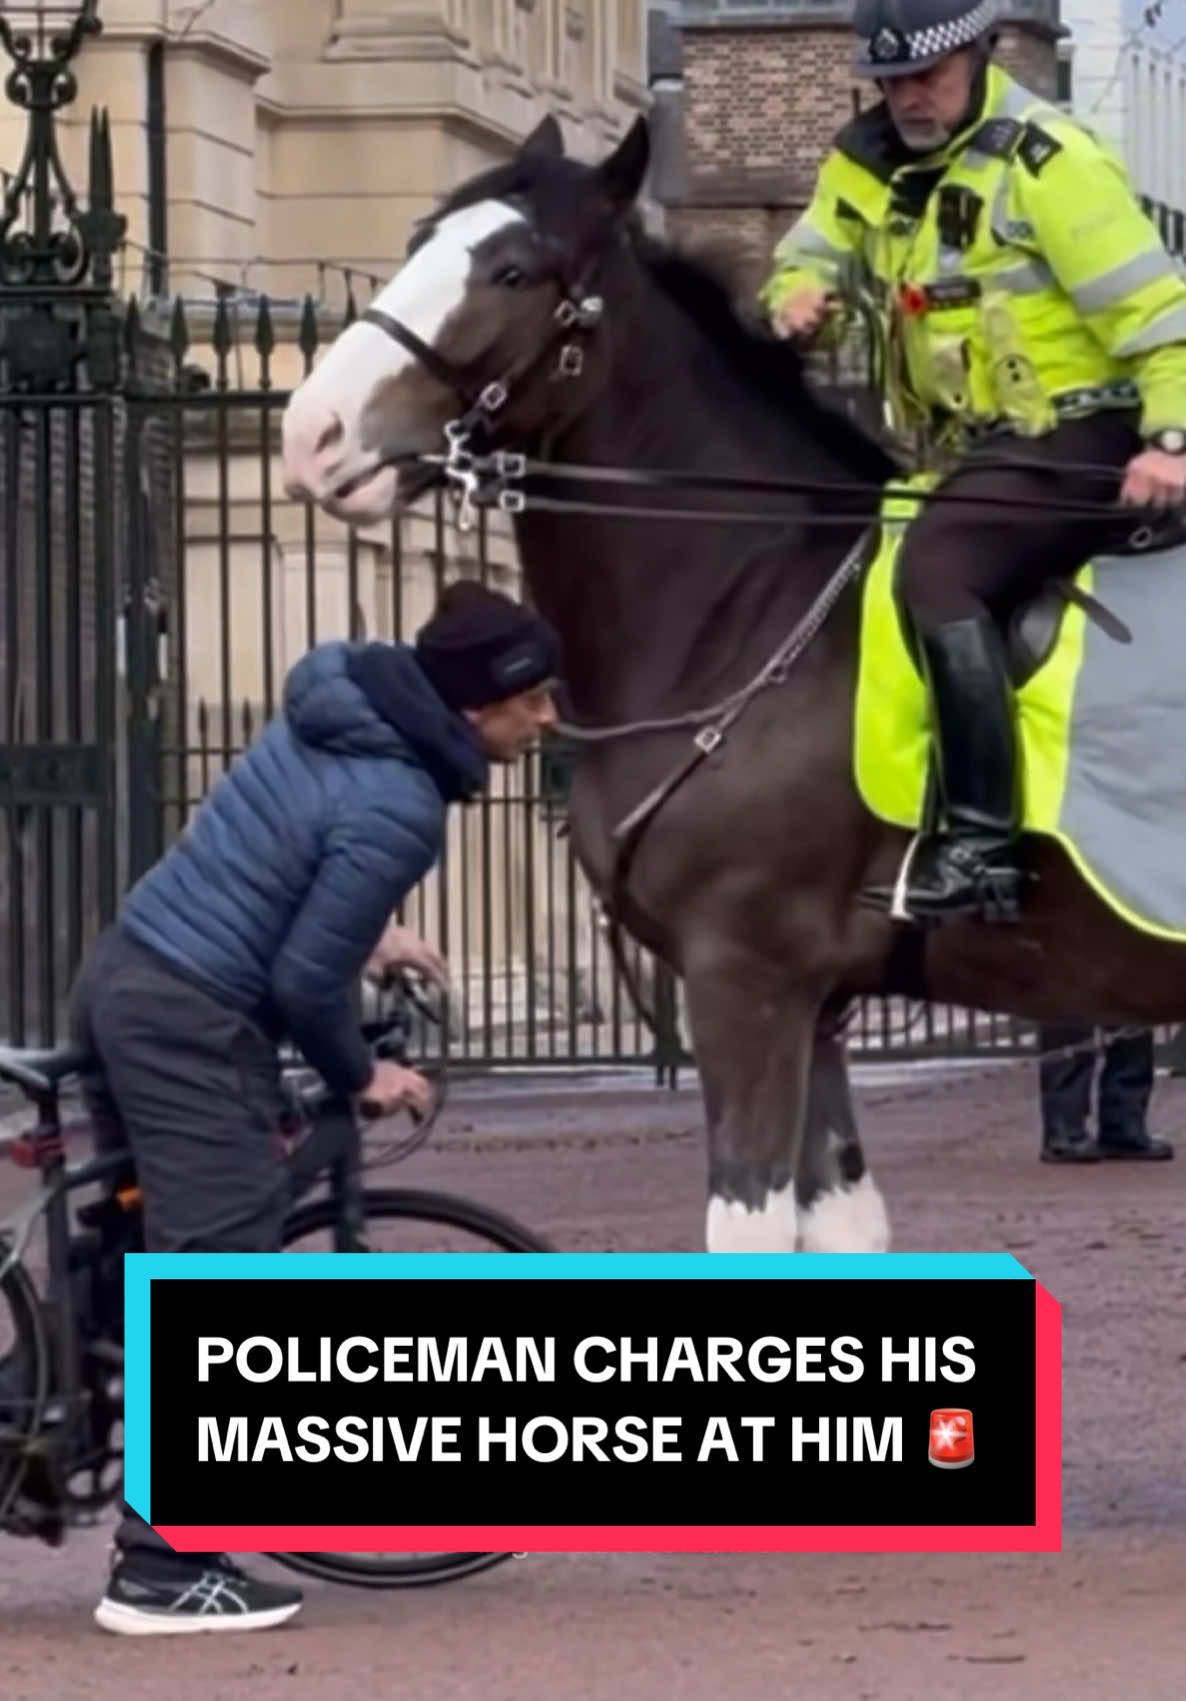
column 325, row 456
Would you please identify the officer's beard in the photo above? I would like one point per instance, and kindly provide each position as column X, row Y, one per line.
column 922, row 135
column 928, row 135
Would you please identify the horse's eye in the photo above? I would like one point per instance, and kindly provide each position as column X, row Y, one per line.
column 510, row 277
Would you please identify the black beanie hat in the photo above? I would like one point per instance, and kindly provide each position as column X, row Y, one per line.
column 481, row 647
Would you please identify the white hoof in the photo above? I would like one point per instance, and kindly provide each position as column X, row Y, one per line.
column 733, row 1227
column 847, row 1219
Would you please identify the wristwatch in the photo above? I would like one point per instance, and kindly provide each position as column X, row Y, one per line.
column 1172, row 442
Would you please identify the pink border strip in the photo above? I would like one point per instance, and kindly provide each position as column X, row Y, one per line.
column 1043, row 1536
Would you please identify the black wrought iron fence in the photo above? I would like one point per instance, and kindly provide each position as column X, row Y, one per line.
column 1171, row 224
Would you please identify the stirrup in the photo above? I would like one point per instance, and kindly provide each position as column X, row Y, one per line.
column 994, row 894
column 899, row 907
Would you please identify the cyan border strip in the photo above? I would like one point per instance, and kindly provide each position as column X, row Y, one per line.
column 575, row 1266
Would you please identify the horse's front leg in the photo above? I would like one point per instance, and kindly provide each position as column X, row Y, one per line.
column 840, row 1205
column 753, row 1031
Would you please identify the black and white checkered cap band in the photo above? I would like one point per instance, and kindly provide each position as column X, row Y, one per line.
column 892, row 51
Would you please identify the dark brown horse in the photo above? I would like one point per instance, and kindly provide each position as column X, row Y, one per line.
column 749, row 880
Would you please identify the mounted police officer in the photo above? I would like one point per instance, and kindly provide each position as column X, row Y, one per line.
column 1034, row 320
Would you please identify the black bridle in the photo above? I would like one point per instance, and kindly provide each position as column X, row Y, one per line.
column 577, row 314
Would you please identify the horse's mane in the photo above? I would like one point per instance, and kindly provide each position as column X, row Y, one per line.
column 767, row 364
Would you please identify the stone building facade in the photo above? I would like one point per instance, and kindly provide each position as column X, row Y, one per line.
column 285, row 147
column 254, row 138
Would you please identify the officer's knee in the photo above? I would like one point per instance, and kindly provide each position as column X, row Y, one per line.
column 921, row 582
column 930, row 586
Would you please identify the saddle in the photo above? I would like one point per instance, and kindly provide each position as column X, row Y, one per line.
column 1033, row 629
column 1100, row 692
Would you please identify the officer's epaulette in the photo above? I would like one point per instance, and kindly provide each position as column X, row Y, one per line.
column 999, row 138
column 1037, row 149
column 1013, row 138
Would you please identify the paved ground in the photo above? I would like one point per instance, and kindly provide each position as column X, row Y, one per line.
column 607, row 1167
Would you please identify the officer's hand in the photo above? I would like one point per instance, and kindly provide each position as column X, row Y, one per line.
column 1155, row 480
column 804, row 314
column 393, row 1088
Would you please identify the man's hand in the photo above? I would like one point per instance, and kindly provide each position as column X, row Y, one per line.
column 1155, row 480
column 803, row 315
column 393, row 1088
column 400, row 948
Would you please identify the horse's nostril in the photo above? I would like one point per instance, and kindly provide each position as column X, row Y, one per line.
column 331, row 435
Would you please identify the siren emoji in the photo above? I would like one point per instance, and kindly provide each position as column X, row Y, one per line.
column 951, row 1445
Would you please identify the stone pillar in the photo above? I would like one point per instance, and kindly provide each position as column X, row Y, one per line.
column 210, row 103
column 213, row 58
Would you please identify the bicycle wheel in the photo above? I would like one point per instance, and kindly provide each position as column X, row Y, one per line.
column 404, row 1220
column 24, row 1377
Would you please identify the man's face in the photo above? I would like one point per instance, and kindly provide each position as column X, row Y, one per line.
column 927, row 107
column 510, row 728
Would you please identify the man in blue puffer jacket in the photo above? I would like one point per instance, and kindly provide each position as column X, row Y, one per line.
column 255, row 927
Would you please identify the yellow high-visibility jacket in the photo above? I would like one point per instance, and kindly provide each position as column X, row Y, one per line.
column 1019, row 279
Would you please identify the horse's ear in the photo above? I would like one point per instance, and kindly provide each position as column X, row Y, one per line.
column 546, row 140
column 620, row 177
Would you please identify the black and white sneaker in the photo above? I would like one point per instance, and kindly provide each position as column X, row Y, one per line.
column 149, row 1598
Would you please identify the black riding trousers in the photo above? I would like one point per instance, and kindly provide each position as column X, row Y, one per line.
column 960, row 560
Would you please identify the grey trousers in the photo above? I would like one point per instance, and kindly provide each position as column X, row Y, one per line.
column 193, row 1089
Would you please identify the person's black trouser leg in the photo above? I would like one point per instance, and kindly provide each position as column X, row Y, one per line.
column 963, row 570
column 198, row 1093
column 1066, row 1069
column 1126, row 1087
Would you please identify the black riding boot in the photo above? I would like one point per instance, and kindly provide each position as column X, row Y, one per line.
column 969, row 867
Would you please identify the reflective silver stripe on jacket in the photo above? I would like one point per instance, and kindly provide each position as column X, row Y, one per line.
column 1169, row 328
column 805, row 241
column 1115, row 286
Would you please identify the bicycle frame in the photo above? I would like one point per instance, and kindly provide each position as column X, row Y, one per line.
column 331, row 1149
column 43, row 1147
column 64, row 1437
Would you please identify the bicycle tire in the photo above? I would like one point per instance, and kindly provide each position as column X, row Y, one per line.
column 407, row 1571
column 27, row 1358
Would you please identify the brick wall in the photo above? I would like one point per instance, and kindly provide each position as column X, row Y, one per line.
column 761, row 108
column 738, row 239
column 1032, row 59
column 764, row 103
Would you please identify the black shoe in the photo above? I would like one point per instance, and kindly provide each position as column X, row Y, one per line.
column 1070, row 1146
column 952, row 875
column 969, row 867
column 147, row 1596
column 1137, row 1147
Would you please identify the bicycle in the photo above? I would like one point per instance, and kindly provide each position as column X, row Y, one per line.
column 61, row 1343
